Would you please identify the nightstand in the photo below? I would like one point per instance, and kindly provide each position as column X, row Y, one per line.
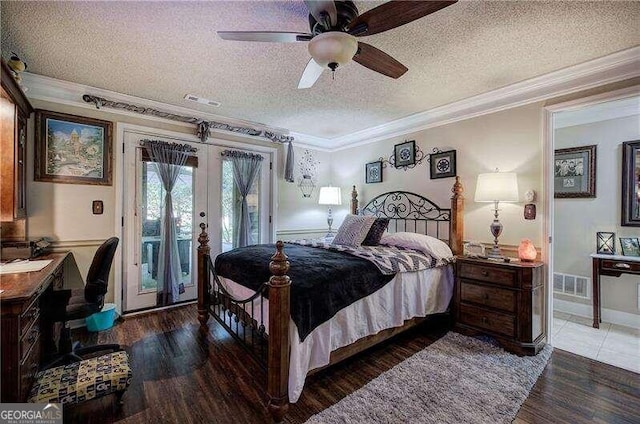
column 503, row 300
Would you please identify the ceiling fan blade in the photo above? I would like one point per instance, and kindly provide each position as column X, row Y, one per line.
column 316, row 7
column 265, row 36
column 310, row 75
column 392, row 15
column 377, row 60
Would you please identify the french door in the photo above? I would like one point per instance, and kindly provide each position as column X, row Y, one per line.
column 205, row 192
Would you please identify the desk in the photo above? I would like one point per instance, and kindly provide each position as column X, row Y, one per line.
column 27, row 335
column 610, row 265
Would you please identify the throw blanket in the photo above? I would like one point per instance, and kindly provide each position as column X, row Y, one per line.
column 388, row 259
column 322, row 281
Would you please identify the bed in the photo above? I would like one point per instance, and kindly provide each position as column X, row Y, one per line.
column 288, row 333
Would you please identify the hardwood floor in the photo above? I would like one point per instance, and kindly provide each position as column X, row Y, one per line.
column 183, row 377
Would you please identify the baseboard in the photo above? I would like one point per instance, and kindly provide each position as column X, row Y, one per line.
column 608, row 315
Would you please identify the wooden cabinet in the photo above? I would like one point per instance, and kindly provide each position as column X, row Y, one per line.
column 503, row 300
column 26, row 329
column 15, row 110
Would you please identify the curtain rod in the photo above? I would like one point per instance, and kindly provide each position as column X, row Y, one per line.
column 203, row 127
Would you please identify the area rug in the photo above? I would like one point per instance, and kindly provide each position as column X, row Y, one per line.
column 455, row 380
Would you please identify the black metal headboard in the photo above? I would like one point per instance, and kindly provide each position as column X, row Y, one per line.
column 410, row 212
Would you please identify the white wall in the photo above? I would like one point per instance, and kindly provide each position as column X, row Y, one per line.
column 578, row 220
column 509, row 140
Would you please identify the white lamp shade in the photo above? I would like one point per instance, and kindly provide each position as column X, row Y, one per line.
column 497, row 186
column 333, row 47
column 330, row 196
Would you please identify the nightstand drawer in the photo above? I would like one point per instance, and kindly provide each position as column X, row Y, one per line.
column 488, row 320
column 493, row 297
column 502, row 276
column 611, row 265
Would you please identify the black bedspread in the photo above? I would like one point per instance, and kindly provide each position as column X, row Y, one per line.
column 322, row 281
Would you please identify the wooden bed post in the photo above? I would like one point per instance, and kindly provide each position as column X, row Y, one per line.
column 456, row 225
column 279, row 316
column 203, row 277
column 354, row 201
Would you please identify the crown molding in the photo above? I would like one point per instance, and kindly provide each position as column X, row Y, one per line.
column 40, row 87
column 615, row 67
column 604, row 70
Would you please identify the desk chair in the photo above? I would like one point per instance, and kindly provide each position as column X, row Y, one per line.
column 82, row 304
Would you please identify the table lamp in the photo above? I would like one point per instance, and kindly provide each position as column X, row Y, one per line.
column 496, row 187
column 330, row 196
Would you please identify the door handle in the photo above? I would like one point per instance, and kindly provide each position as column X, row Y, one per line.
column 623, row 266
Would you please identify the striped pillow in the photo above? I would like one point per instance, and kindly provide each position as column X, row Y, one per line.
column 353, row 230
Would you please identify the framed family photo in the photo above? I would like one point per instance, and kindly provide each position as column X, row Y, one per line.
column 631, row 183
column 373, row 172
column 72, row 149
column 404, row 154
column 574, row 173
column 442, row 164
column 630, row 246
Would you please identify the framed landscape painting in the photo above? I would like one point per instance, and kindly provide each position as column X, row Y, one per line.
column 631, row 183
column 574, row 173
column 72, row 149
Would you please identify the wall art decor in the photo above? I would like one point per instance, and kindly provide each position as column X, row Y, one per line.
column 630, row 246
column 631, row 183
column 308, row 173
column 72, row 149
column 442, row 164
column 574, row 174
column 404, row 154
column 373, row 172
column 605, row 243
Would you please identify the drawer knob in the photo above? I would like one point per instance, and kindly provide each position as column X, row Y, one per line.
column 484, row 320
column 623, row 266
column 485, row 273
column 486, row 296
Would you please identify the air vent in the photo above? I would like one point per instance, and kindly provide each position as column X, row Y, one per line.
column 202, row 100
column 571, row 285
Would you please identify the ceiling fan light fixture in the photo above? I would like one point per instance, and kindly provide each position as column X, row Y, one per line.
column 334, row 47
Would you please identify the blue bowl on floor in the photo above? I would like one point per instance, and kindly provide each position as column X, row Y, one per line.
column 102, row 320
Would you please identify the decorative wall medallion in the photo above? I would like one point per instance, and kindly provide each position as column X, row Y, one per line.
column 373, row 172
column 443, row 164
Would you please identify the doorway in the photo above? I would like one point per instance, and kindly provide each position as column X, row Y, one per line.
column 204, row 192
column 598, row 127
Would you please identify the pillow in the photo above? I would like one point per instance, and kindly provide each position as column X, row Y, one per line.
column 353, row 230
column 426, row 244
column 375, row 233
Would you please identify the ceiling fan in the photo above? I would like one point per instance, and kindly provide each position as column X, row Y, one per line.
column 334, row 26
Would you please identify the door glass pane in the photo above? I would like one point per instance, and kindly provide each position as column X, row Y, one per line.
column 152, row 211
column 231, row 206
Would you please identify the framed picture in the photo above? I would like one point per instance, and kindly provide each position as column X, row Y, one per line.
column 443, row 164
column 630, row 246
column 373, row 172
column 574, row 173
column 404, row 154
column 631, row 183
column 72, row 149
column 606, row 243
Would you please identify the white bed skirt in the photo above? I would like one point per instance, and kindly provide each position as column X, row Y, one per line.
column 407, row 295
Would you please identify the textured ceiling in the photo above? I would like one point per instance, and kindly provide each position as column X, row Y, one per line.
column 164, row 50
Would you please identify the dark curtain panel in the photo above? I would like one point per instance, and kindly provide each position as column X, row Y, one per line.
column 169, row 158
column 246, row 167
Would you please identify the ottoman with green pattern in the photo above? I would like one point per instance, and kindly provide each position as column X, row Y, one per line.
column 88, row 379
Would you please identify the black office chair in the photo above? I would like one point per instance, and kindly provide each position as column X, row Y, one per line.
column 82, row 304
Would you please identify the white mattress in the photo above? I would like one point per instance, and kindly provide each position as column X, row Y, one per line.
column 407, row 295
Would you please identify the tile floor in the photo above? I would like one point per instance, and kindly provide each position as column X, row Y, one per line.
column 612, row 344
